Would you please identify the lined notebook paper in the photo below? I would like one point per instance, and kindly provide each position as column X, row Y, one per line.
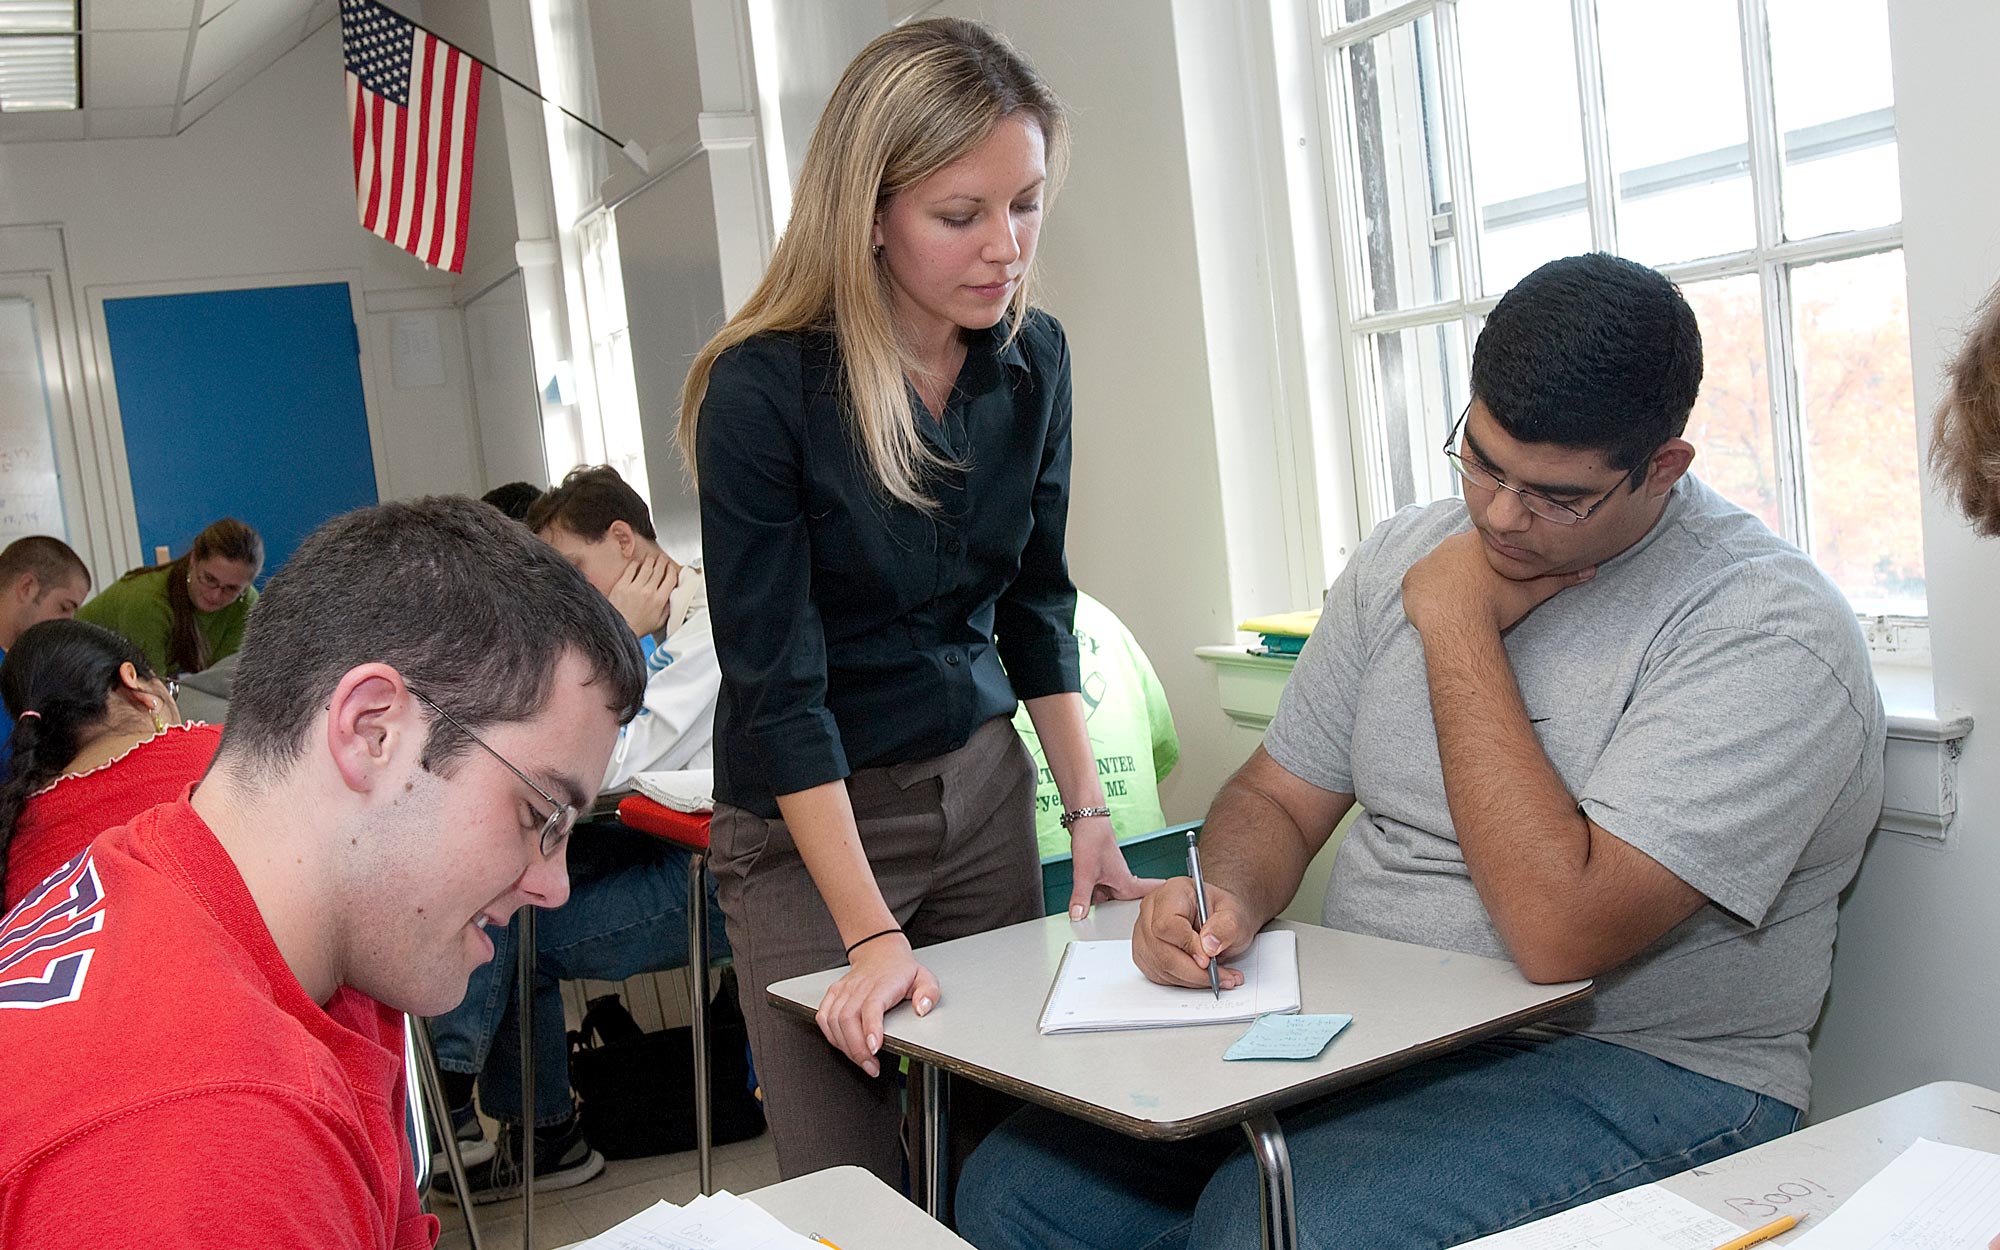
column 1933, row 1197
column 1098, row 988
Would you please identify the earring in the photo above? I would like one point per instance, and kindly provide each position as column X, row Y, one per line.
column 159, row 721
column 876, row 251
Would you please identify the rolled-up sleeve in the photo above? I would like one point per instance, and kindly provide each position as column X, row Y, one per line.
column 1034, row 620
column 757, row 551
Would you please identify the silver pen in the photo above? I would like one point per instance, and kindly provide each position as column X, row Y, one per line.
column 1201, row 908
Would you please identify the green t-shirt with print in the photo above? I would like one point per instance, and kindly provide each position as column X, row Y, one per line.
column 1131, row 731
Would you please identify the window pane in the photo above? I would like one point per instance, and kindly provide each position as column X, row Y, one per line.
column 1416, row 383
column 1731, row 423
column 1860, row 430
column 1398, row 168
column 1527, row 141
column 1673, row 83
column 1347, row 12
column 1836, row 110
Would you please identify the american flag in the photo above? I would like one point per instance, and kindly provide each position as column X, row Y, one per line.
column 413, row 103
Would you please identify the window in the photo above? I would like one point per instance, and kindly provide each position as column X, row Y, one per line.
column 611, row 350
column 1746, row 148
column 596, row 353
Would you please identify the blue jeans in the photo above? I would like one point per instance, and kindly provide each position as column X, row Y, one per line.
column 1501, row 1133
column 627, row 914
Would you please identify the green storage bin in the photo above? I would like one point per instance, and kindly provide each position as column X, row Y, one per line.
column 1162, row 853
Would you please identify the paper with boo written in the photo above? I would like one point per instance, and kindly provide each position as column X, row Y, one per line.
column 1646, row 1218
column 1933, row 1197
column 718, row 1221
column 1098, row 987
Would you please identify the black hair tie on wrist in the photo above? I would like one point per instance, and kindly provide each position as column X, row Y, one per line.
column 871, row 937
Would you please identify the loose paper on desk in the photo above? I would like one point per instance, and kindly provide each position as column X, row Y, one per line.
column 686, row 790
column 1932, row 1197
column 1287, row 1037
column 1645, row 1218
column 1098, row 987
column 718, row 1221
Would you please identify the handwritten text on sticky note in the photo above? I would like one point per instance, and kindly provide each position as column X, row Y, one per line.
column 1287, row 1037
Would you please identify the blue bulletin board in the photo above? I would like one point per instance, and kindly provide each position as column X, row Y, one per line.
column 243, row 403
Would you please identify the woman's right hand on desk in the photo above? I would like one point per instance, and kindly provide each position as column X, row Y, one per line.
column 1172, row 946
column 883, row 973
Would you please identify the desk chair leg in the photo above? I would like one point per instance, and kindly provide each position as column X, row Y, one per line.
column 420, row 1034
column 524, row 1002
column 1280, row 1217
column 704, row 1128
column 934, row 1169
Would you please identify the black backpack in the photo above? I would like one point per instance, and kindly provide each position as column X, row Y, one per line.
column 637, row 1088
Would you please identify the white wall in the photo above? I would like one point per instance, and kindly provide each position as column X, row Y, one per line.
column 256, row 193
column 1915, row 998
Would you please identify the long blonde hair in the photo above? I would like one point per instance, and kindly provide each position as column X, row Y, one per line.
column 915, row 100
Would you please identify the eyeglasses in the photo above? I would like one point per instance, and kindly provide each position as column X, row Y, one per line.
column 1541, row 505
column 173, row 689
column 229, row 592
column 557, row 825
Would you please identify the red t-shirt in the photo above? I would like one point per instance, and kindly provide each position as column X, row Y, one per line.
column 167, row 1081
column 61, row 819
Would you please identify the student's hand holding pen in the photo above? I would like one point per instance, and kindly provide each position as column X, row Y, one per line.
column 883, row 972
column 1172, row 947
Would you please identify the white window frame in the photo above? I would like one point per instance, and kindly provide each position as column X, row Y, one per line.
column 597, row 365
column 1771, row 260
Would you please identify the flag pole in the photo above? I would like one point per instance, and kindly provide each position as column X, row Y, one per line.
column 633, row 152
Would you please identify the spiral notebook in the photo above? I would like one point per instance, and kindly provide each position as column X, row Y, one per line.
column 1099, row 988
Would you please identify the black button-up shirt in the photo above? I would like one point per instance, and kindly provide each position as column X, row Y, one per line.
column 855, row 631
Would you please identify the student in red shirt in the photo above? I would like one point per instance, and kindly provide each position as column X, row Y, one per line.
column 101, row 741
column 195, row 1007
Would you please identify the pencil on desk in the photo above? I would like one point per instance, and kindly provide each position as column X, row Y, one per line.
column 1783, row 1224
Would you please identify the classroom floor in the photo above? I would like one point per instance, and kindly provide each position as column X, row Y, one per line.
column 625, row 1188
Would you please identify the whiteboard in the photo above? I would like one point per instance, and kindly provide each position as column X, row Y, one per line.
column 30, row 493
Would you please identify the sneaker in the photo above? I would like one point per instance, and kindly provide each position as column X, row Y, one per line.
column 560, row 1163
column 473, row 1148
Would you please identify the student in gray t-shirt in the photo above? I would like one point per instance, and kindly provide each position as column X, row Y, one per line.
column 1601, row 722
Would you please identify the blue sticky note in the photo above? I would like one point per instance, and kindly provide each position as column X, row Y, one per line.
column 1287, row 1037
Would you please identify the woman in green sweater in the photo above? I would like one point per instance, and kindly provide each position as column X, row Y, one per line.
column 188, row 614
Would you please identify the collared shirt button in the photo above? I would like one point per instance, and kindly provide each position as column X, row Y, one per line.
column 951, row 658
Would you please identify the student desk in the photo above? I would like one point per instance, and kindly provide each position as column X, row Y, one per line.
column 1409, row 1003
column 852, row 1209
column 1813, row 1171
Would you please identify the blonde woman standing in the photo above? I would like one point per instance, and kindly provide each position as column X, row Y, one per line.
column 882, row 442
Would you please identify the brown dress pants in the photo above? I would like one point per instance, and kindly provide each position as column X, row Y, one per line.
column 952, row 843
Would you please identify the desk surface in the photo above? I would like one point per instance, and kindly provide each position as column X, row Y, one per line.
column 1814, row 1170
column 1408, row 1003
column 852, row 1209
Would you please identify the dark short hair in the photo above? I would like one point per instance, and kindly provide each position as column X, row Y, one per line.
column 471, row 608
column 514, row 499
column 590, row 498
column 49, row 559
column 1591, row 352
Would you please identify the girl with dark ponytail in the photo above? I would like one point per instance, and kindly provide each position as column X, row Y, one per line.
column 97, row 740
column 190, row 613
